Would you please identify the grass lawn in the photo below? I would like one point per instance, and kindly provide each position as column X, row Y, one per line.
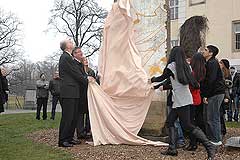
column 233, row 124
column 15, row 146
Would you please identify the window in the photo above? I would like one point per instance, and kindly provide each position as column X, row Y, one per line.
column 174, row 43
column 196, row 2
column 236, row 36
column 173, row 9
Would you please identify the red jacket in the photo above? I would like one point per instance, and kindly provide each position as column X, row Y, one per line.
column 196, row 96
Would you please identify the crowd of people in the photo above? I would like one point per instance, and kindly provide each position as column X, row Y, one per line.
column 202, row 90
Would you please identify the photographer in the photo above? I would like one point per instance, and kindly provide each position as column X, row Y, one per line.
column 42, row 96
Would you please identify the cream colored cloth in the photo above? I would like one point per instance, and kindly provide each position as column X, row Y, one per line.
column 119, row 106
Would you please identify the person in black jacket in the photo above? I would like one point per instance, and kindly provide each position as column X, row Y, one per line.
column 224, row 65
column 71, row 78
column 213, row 90
column 233, row 74
column 236, row 95
column 78, row 56
column 54, row 88
column 3, row 89
column 84, row 129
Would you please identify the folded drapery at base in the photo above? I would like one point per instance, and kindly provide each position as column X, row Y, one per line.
column 115, row 124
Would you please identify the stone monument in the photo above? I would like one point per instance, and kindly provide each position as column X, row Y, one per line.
column 150, row 17
column 30, row 96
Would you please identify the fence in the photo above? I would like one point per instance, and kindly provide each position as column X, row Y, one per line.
column 15, row 102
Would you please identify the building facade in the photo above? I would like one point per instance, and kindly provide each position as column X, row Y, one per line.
column 224, row 24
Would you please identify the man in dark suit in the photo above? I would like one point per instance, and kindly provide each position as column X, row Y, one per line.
column 71, row 79
column 83, row 123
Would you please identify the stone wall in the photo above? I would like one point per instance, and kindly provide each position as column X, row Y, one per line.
column 156, row 116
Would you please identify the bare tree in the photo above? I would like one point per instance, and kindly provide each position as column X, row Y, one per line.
column 47, row 67
column 9, row 37
column 81, row 20
column 21, row 76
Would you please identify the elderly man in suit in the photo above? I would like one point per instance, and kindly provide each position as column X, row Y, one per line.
column 71, row 78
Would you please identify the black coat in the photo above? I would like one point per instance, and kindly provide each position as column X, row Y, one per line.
column 54, row 87
column 71, row 77
column 3, row 89
column 214, row 83
column 83, row 91
column 85, row 98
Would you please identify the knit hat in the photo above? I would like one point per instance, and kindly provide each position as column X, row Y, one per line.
column 226, row 63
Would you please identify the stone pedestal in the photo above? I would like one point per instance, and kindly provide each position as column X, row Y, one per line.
column 30, row 99
column 156, row 116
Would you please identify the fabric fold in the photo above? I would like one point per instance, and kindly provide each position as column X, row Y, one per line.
column 118, row 107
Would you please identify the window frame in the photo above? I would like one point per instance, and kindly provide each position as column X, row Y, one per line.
column 174, row 7
column 174, row 42
column 234, row 49
column 191, row 3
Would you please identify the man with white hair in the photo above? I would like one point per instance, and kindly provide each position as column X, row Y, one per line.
column 70, row 80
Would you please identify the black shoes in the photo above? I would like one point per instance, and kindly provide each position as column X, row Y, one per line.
column 65, row 144
column 211, row 148
column 75, row 142
column 191, row 147
column 69, row 144
column 170, row 152
column 181, row 145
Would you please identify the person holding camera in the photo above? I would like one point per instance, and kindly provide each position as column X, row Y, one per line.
column 42, row 96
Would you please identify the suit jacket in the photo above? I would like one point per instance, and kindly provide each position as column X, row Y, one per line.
column 71, row 77
column 83, row 90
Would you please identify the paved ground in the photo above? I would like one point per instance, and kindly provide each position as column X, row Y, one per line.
column 10, row 111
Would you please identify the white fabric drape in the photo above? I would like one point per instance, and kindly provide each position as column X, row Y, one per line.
column 119, row 106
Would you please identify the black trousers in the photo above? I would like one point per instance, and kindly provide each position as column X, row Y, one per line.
column 196, row 118
column 83, row 125
column 55, row 100
column 69, row 119
column 183, row 113
column 42, row 102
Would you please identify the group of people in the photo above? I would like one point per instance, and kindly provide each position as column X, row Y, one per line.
column 75, row 75
column 71, row 91
column 200, row 88
column 233, row 107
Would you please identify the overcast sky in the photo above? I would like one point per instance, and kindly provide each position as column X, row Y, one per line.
column 35, row 14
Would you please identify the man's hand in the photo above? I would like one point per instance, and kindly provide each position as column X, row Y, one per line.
column 226, row 100
column 91, row 79
column 205, row 100
column 161, row 88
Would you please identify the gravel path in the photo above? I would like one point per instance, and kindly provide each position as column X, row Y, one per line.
column 125, row 152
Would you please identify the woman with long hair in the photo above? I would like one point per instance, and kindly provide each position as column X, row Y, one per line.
column 224, row 65
column 198, row 71
column 181, row 77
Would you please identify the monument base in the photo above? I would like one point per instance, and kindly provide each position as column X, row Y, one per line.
column 155, row 120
